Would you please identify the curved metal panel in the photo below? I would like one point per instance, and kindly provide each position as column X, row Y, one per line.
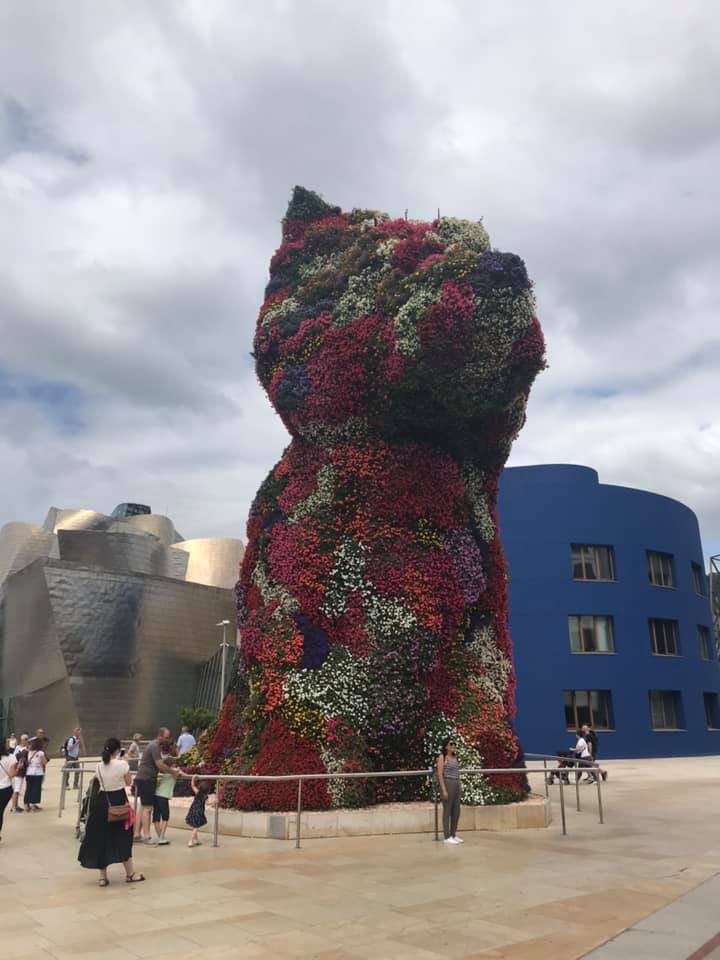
column 129, row 552
column 213, row 561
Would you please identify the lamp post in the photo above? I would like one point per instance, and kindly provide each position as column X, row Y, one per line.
column 223, row 645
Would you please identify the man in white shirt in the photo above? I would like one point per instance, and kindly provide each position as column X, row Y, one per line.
column 72, row 748
column 186, row 741
column 582, row 751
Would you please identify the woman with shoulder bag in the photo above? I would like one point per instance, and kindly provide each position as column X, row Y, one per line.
column 37, row 761
column 108, row 834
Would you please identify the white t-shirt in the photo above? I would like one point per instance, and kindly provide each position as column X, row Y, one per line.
column 581, row 748
column 112, row 775
column 35, row 766
column 6, row 764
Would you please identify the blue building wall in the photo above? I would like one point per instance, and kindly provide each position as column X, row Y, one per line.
column 543, row 510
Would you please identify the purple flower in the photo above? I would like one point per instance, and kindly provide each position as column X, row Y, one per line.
column 315, row 642
column 466, row 555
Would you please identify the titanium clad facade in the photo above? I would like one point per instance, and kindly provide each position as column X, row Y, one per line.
column 101, row 626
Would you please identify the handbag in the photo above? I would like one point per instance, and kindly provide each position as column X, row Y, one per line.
column 116, row 812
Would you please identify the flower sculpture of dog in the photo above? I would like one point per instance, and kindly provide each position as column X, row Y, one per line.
column 372, row 595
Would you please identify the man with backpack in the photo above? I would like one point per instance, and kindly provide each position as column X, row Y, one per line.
column 71, row 750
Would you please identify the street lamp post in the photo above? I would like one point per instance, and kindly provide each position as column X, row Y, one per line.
column 224, row 624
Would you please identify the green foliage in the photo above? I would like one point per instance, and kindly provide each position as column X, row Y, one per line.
column 197, row 718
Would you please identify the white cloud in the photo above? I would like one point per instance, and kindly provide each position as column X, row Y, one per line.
column 145, row 161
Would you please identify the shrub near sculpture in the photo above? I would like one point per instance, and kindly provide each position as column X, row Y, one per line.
column 372, row 595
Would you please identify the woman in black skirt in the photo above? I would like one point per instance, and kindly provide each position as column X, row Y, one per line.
column 107, row 842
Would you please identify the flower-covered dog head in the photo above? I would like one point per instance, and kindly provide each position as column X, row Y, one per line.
column 399, row 329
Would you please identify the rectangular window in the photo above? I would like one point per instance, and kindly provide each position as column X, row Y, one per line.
column 588, row 706
column 591, row 634
column 706, row 650
column 660, row 569
column 699, row 582
column 590, row 562
column 712, row 714
column 664, row 638
column 665, row 709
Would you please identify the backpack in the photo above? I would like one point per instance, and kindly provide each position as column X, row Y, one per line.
column 63, row 748
column 22, row 762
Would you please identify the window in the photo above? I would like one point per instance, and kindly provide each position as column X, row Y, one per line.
column 712, row 713
column 664, row 638
column 591, row 634
column 588, row 706
column 590, row 562
column 699, row 582
column 706, row 650
column 660, row 569
column 665, row 709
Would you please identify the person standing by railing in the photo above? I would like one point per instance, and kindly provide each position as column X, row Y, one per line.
column 150, row 765
column 71, row 750
column 448, row 774
column 132, row 754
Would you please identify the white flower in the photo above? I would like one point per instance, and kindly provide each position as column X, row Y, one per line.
column 469, row 233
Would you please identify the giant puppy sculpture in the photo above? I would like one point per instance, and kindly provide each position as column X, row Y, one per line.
column 372, row 596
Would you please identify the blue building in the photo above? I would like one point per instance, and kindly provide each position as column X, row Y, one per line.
column 609, row 616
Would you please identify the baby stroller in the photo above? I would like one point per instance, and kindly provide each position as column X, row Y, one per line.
column 566, row 760
column 84, row 811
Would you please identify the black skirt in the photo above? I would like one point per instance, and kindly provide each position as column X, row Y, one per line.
column 33, row 788
column 104, row 842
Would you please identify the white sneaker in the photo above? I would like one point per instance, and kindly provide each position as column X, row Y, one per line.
column 458, row 840
column 448, row 840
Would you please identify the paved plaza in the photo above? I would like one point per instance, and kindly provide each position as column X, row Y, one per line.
column 521, row 895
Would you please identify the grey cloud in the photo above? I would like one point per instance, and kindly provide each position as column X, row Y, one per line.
column 586, row 136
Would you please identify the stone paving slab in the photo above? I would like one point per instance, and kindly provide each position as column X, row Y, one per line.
column 521, row 895
column 686, row 929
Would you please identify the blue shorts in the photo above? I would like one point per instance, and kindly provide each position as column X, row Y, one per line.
column 145, row 791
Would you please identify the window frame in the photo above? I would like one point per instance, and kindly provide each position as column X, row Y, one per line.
column 659, row 555
column 606, row 703
column 652, row 621
column 698, row 575
column 713, row 714
column 588, row 555
column 677, row 708
column 705, row 643
column 595, row 617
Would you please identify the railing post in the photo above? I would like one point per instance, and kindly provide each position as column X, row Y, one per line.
column 577, row 788
column 61, row 804
column 436, row 800
column 547, row 791
column 81, row 790
column 216, row 822
column 599, row 793
column 299, row 811
column 562, row 806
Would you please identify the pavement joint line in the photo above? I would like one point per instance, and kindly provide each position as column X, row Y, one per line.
column 706, row 949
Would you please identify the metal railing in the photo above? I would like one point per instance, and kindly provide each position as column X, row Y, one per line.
column 222, row 779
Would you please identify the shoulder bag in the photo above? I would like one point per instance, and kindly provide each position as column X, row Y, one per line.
column 116, row 812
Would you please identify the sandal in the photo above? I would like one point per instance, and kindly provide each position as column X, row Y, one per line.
column 103, row 882
column 135, row 878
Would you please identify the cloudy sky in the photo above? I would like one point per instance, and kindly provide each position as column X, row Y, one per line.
column 147, row 152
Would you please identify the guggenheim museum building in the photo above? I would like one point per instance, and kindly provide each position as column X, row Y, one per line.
column 107, row 621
